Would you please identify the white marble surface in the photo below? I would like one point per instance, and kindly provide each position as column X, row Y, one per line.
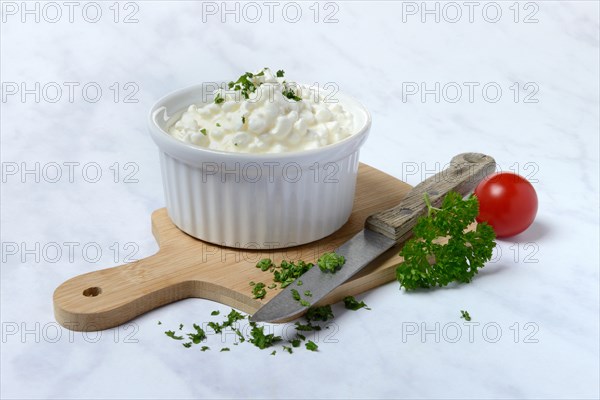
column 548, row 276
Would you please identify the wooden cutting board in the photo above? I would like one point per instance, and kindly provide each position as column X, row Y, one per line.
column 187, row 267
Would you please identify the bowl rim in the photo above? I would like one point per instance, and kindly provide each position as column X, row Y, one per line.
column 160, row 134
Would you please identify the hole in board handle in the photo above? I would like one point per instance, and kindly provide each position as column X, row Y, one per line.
column 92, row 291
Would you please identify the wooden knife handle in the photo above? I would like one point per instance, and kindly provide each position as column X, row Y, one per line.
column 464, row 172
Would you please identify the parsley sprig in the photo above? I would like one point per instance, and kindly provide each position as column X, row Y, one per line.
column 429, row 263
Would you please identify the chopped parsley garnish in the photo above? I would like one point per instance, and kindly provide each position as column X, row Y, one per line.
column 203, row 131
column 295, row 295
column 240, row 336
column 251, row 283
column 312, row 346
column 259, row 339
column 171, row 334
column 427, row 263
column 218, row 125
column 352, row 304
column 233, row 317
column 159, row 323
column 331, row 262
column 288, row 272
column 216, row 327
column 249, row 82
column 465, row 315
column 244, row 84
column 285, row 273
column 243, row 119
column 307, row 327
column 199, row 336
column 265, row 264
column 323, row 313
column 259, row 291
column 219, row 99
column 290, row 94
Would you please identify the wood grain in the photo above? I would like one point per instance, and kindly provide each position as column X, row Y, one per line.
column 186, row 267
column 462, row 174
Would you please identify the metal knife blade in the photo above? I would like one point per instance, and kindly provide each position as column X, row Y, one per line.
column 382, row 231
column 359, row 251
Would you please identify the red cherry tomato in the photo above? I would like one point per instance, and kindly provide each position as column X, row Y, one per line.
column 507, row 202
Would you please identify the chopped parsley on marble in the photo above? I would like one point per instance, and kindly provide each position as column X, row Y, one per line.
column 465, row 315
column 197, row 337
column 352, row 304
column 260, row 339
column 312, row 346
column 172, row 335
column 323, row 313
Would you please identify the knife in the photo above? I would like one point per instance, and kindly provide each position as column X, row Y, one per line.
column 383, row 230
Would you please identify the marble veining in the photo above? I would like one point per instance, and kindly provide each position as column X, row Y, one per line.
column 541, row 291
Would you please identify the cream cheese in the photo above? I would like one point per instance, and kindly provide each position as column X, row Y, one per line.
column 264, row 115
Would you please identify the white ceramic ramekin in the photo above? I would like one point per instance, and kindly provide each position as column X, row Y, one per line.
column 256, row 201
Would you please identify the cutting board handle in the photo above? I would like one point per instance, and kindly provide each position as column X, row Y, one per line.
column 109, row 297
column 463, row 173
